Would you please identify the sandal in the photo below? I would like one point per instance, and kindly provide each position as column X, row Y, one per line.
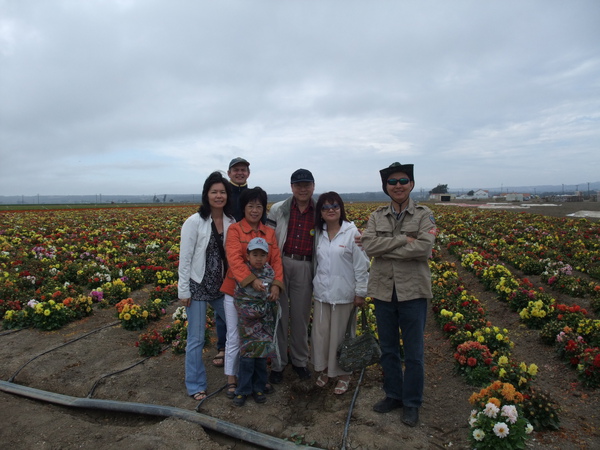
column 219, row 359
column 322, row 380
column 341, row 387
column 199, row 396
column 230, row 392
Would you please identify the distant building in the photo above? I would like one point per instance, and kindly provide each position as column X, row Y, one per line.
column 479, row 194
column 442, row 197
column 514, row 197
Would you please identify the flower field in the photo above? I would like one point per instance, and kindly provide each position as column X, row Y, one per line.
column 58, row 267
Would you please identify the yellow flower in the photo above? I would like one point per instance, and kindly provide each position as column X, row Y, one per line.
column 499, row 337
column 127, row 316
column 503, row 360
column 46, row 312
column 532, row 370
column 145, row 314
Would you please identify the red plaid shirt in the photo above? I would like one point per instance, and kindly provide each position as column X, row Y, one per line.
column 300, row 234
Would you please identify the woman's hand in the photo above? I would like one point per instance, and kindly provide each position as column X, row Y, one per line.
column 186, row 302
column 257, row 285
column 359, row 301
column 274, row 295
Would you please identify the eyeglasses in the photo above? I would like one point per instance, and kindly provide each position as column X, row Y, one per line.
column 328, row 207
column 394, row 181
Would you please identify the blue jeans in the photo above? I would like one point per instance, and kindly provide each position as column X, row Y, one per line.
column 409, row 318
column 252, row 375
column 219, row 309
column 195, row 372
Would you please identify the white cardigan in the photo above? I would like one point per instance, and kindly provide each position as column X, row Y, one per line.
column 195, row 234
column 342, row 267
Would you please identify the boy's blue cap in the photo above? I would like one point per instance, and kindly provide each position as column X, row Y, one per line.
column 258, row 244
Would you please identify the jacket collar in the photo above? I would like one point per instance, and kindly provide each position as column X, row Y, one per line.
column 247, row 228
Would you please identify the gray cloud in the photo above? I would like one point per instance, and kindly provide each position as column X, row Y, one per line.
column 149, row 96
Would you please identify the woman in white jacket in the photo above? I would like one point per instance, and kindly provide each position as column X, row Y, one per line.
column 202, row 267
column 340, row 284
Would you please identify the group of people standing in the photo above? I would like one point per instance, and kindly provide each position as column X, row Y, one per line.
column 261, row 271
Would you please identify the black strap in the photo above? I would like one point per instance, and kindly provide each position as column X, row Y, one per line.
column 363, row 315
column 219, row 244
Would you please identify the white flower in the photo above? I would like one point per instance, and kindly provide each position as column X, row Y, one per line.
column 472, row 421
column 478, row 434
column 510, row 411
column 501, row 430
column 491, row 410
column 529, row 428
column 180, row 313
column 31, row 303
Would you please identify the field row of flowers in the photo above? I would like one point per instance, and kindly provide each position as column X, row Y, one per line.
column 56, row 265
column 483, row 356
column 558, row 250
column 575, row 335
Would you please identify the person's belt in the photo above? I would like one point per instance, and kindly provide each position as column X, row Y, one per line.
column 297, row 257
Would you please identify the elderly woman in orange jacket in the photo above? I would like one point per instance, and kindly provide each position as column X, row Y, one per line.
column 253, row 202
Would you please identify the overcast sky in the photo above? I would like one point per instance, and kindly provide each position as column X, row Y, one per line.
column 150, row 96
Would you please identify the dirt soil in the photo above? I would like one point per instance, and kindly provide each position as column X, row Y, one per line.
column 298, row 411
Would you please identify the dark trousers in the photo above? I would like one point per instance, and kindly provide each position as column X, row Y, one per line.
column 409, row 318
column 252, row 375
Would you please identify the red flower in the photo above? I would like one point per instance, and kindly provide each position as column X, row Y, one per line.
column 574, row 361
column 571, row 346
column 472, row 362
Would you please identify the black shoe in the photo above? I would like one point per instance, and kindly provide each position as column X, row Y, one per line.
column 387, row 404
column 302, row 372
column 239, row 400
column 269, row 389
column 259, row 397
column 410, row 416
column 276, row 376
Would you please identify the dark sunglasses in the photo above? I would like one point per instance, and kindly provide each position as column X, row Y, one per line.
column 328, row 207
column 394, row 181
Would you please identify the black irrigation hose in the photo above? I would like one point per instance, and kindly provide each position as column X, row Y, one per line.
column 212, row 423
column 345, row 435
column 209, row 396
column 11, row 379
column 4, row 333
column 120, row 371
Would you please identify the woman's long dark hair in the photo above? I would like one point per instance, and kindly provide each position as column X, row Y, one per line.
column 215, row 178
column 328, row 197
column 256, row 193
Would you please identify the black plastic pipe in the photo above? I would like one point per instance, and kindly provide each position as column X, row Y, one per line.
column 221, row 426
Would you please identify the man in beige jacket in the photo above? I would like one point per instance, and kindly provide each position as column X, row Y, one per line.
column 399, row 237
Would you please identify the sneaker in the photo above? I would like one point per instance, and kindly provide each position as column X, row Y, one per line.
column 387, row 404
column 302, row 372
column 239, row 400
column 269, row 389
column 259, row 397
column 410, row 416
column 276, row 376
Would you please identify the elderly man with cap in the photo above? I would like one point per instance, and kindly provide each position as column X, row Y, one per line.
column 399, row 237
column 294, row 221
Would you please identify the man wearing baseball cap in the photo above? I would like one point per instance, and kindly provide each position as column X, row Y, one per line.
column 238, row 173
column 294, row 222
column 399, row 237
